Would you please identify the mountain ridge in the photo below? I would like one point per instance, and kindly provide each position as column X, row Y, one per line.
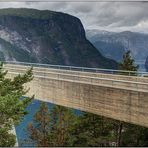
column 114, row 45
column 49, row 37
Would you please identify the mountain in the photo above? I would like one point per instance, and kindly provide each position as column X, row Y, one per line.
column 47, row 37
column 146, row 64
column 93, row 34
column 114, row 44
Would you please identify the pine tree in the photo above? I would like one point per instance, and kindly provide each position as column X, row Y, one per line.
column 93, row 130
column 134, row 135
column 62, row 121
column 127, row 64
column 12, row 108
column 51, row 128
column 38, row 130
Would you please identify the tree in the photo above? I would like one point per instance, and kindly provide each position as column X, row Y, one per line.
column 51, row 128
column 6, row 139
column 39, row 129
column 62, row 122
column 93, row 130
column 134, row 135
column 12, row 108
column 127, row 64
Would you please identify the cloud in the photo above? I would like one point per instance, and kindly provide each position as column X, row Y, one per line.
column 113, row 16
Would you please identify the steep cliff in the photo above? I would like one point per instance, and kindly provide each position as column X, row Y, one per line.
column 47, row 37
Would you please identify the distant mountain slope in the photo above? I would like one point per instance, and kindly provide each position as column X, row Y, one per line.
column 113, row 44
column 47, row 37
column 146, row 64
column 111, row 50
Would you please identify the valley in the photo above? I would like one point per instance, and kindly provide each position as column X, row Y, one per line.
column 114, row 44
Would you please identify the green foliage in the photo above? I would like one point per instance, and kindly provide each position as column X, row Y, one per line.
column 32, row 13
column 134, row 135
column 60, row 127
column 128, row 63
column 51, row 128
column 38, row 130
column 6, row 139
column 93, row 130
column 12, row 109
column 62, row 122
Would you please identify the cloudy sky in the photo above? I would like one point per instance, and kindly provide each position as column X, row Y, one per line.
column 112, row 16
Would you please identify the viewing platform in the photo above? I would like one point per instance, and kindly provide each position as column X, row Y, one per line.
column 117, row 94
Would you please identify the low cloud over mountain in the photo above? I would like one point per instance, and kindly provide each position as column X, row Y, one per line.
column 112, row 16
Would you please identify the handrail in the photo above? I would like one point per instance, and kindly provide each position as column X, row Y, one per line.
column 76, row 75
column 62, row 71
column 91, row 82
column 96, row 70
